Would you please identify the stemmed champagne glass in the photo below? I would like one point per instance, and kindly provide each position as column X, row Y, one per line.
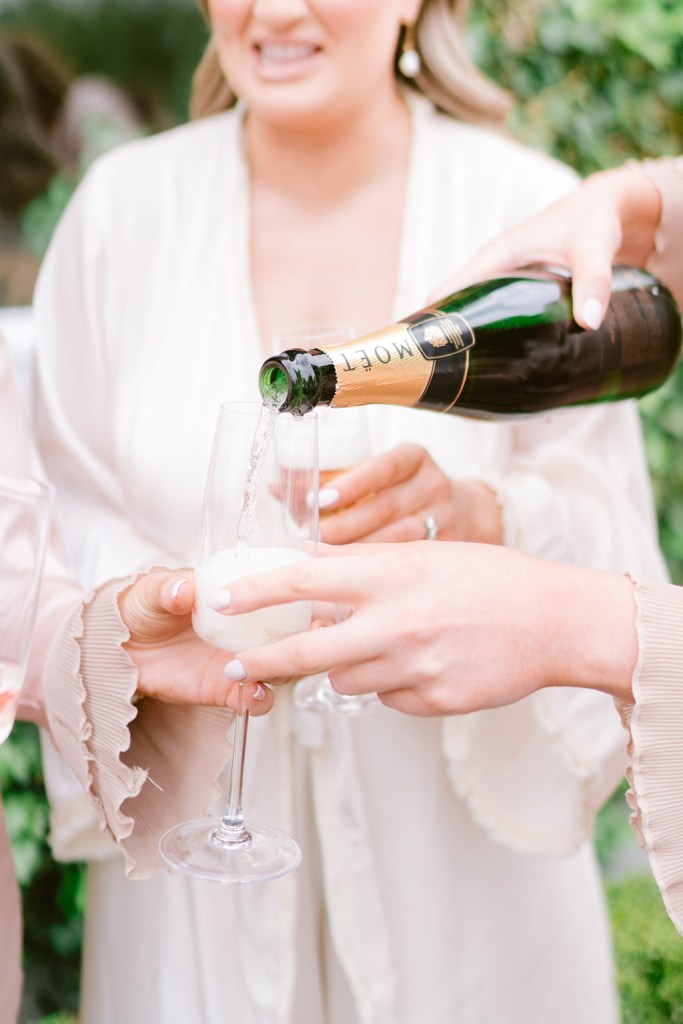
column 260, row 512
column 344, row 439
column 25, row 510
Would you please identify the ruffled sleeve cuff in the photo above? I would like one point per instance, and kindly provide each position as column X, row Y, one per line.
column 655, row 725
column 146, row 766
column 535, row 773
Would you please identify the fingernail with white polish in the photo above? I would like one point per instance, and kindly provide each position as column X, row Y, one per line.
column 175, row 589
column 219, row 601
column 259, row 693
column 234, row 670
column 592, row 313
column 327, row 497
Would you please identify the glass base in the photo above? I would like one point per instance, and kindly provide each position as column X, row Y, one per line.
column 317, row 694
column 265, row 853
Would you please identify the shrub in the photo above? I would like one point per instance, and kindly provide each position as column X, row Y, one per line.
column 649, row 953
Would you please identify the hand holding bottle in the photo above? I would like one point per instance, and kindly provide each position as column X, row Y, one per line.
column 611, row 218
column 392, row 496
column 505, row 347
column 449, row 628
column 174, row 665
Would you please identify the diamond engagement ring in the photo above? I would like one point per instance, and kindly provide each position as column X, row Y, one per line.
column 431, row 527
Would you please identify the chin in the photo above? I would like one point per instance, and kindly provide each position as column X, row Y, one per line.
column 292, row 113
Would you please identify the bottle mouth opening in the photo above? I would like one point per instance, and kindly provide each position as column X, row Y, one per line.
column 274, row 385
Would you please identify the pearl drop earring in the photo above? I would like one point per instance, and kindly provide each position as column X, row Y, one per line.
column 409, row 63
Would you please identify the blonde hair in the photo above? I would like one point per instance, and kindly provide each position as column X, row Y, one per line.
column 448, row 76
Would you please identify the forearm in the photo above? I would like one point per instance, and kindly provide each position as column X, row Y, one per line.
column 667, row 259
column 638, row 204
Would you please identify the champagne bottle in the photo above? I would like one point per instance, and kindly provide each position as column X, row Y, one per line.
column 501, row 348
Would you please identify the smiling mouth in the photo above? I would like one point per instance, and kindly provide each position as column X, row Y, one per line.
column 283, row 54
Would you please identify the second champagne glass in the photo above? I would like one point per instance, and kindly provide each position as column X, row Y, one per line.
column 344, row 440
column 260, row 512
column 25, row 511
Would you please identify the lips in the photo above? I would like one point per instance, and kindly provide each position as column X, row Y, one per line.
column 280, row 61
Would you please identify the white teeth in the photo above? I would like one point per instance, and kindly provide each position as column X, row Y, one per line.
column 284, row 52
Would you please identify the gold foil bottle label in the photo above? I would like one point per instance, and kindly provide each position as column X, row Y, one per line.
column 420, row 362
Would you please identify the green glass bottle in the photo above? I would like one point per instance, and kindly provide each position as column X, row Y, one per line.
column 504, row 347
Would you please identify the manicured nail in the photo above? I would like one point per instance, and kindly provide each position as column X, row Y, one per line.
column 327, row 497
column 259, row 693
column 175, row 589
column 220, row 601
column 235, row 670
column 592, row 313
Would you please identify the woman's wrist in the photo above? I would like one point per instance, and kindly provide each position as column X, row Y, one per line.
column 479, row 516
column 592, row 636
column 639, row 208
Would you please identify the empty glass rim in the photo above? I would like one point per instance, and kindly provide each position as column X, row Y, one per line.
column 25, row 486
column 316, row 331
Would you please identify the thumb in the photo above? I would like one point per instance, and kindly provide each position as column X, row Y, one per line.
column 175, row 591
column 146, row 605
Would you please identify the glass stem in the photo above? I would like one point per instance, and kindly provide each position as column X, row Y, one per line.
column 231, row 830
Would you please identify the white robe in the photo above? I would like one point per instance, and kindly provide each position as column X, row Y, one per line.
column 447, row 872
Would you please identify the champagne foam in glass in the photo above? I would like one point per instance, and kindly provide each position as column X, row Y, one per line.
column 250, row 629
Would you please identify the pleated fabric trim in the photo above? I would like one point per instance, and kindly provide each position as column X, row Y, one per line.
column 655, row 725
column 145, row 766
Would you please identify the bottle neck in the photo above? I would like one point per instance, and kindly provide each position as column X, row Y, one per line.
column 298, row 380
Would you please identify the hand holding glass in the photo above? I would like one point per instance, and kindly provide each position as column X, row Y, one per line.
column 260, row 512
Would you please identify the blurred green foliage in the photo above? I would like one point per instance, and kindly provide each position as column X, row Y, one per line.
column 613, row 833
column 53, row 894
column 39, row 218
column 598, row 81
column 649, row 953
column 150, row 47
column 662, row 416
column 57, row 1018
